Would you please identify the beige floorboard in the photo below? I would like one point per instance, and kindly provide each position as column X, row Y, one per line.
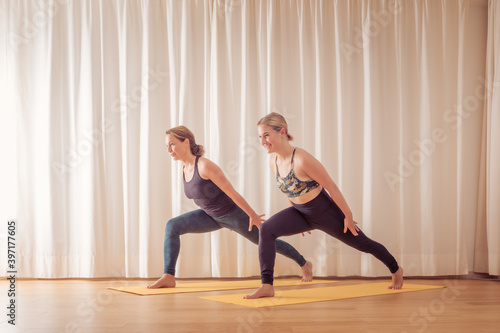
column 80, row 305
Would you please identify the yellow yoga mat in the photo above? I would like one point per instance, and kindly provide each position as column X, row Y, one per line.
column 193, row 287
column 299, row 296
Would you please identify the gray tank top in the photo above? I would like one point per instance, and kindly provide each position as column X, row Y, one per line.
column 207, row 195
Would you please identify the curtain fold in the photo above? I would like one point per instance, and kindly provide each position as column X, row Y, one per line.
column 8, row 131
column 487, row 250
column 384, row 93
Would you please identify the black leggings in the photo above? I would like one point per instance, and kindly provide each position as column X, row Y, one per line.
column 320, row 213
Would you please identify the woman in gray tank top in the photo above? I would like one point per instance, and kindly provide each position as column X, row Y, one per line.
column 221, row 206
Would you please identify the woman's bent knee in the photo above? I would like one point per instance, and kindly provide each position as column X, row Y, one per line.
column 266, row 231
column 172, row 226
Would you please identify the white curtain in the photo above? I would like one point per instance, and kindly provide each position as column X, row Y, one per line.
column 388, row 95
column 487, row 254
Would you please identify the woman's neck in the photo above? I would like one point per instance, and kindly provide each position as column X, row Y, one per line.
column 285, row 152
column 188, row 161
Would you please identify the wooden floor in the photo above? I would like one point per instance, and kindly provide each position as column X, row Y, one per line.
column 57, row 306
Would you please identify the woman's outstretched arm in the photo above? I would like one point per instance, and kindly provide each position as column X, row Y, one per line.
column 210, row 170
column 307, row 164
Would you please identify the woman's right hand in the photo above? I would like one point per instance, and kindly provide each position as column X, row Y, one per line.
column 350, row 224
column 255, row 220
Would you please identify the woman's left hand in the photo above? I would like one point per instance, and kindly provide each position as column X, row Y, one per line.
column 350, row 224
column 255, row 220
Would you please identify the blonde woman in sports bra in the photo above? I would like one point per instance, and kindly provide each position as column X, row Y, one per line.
column 305, row 181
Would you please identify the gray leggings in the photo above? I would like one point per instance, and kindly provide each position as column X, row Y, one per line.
column 320, row 213
column 198, row 221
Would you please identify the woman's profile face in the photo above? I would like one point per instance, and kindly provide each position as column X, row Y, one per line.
column 176, row 147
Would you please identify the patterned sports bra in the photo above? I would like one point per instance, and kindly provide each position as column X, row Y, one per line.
column 291, row 185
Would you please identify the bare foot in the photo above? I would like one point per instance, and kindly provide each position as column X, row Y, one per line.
column 397, row 279
column 307, row 272
column 265, row 290
column 166, row 281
